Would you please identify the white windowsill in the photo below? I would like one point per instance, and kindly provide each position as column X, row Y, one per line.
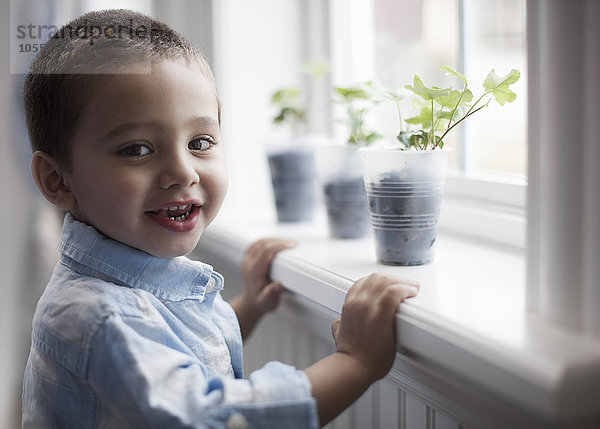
column 488, row 207
column 469, row 318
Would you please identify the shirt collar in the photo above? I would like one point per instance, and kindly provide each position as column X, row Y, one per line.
column 89, row 252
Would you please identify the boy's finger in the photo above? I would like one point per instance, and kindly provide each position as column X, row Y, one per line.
column 261, row 253
column 269, row 296
column 411, row 282
column 394, row 294
column 356, row 286
column 269, row 243
column 265, row 250
column 278, row 244
column 406, row 290
column 377, row 282
column 335, row 327
column 414, row 290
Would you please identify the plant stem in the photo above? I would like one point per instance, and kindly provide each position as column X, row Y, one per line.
column 483, row 95
column 436, row 125
column 432, row 137
column 397, row 103
column 469, row 112
column 353, row 125
column 478, row 100
column 456, row 107
column 463, row 118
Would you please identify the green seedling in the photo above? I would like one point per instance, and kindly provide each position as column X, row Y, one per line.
column 442, row 109
column 290, row 101
column 358, row 101
column 290, row 109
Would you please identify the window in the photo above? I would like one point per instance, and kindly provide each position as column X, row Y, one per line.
column 415, row 36
column 486, row 188
column 495, row 38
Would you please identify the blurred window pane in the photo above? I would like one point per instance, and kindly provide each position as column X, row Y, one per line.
column 495, row 38
column 415, row 36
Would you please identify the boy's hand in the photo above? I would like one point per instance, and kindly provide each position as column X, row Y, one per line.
column 260, row 295
column 366, row 329
column 259, row 291
column 365, row 339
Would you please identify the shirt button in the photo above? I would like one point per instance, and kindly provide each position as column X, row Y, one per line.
column 237, row 421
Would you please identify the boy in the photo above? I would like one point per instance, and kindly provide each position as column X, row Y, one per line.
column 129, row 332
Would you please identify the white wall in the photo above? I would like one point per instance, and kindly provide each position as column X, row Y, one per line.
column 16, row 197
column 256, row 50
column 29, row 226
column 255, row 53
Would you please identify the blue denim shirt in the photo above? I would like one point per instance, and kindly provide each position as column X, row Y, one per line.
column 122, row 339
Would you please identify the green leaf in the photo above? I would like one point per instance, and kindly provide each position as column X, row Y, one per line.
column 381, row 93
column 316, row 69
column 416, row 139
column 288, row 113
column 423, row 118
column 352, row 93
column 358, row 100
column 451, row 72
column 420, row 89
column 285, row 96
column 499, row 86
column 371, row 137
column 451, row 100
column 442, row 114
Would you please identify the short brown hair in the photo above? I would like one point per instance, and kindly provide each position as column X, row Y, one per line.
column 79, row 57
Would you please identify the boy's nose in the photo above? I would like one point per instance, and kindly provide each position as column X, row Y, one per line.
column 178, row 169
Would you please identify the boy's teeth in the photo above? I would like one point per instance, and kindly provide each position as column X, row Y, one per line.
column 179, row 213
column 175, row 208
column 180, row 218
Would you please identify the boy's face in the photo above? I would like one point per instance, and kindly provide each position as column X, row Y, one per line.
column 147, row 163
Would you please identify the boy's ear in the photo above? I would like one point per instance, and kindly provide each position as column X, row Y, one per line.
column 49, row 178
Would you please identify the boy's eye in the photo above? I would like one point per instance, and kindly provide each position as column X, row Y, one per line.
column 201, row 143
column 136, row 150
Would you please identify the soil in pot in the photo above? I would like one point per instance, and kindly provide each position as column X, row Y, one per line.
column 404, row 215
column 294, row 182
column 347, row 210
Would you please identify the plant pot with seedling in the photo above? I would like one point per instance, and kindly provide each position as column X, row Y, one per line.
column 291, row 161
column 405, row 181
column 340, row 168
column 291, row 156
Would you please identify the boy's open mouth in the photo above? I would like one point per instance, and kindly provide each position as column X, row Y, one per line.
column 177, row 218
column 178, row 213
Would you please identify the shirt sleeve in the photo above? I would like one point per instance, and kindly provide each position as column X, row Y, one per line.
column 142, row 374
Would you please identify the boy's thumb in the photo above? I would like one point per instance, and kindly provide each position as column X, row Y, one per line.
column 335, row 327
column 270, row 294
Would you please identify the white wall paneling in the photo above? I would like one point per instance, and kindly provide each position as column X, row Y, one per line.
column 469, row 356
column 286, row 336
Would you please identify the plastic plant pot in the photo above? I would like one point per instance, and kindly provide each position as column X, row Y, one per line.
column 340, row 173
column 404, row 190
column 293, row 175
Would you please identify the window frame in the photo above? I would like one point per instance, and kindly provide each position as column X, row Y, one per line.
column 485, row 206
